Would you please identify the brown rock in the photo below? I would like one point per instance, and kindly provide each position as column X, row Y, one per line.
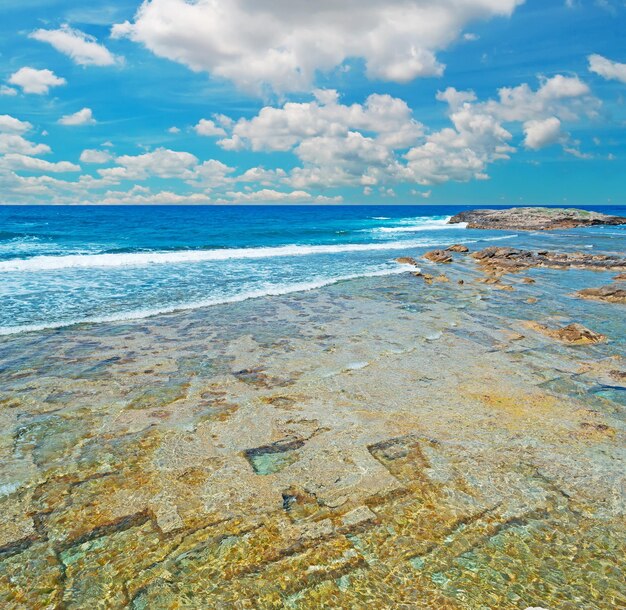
column 618, row 375
column 438, row 256
column 427, row 277
column 620, row 277
column 442, row 278
column 496, row 260
column 528, row 280
column 534, row 219
column 532, row 300
column 458, row 248
column 575, row 334
column 407, row 260
column 609, row 294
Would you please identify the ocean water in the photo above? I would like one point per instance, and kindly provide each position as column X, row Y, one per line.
column 65, row 265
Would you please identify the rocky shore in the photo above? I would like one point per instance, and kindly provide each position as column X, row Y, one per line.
column 424, row 440
column 534, row 219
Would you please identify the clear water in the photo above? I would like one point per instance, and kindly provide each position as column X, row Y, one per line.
column 64, row 265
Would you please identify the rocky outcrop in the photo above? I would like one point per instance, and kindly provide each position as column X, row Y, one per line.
column 458, row 248
column 495, row 260
column 407, row 260
column 611, row 294
column 534, row 219
column 575, row 334
column 438, row 256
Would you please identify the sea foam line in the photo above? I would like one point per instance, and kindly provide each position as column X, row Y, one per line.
column 140, row 314
column 140, row 259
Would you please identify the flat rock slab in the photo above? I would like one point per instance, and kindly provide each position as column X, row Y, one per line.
column 534, row 219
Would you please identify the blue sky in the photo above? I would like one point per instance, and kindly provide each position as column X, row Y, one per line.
column 368, row 101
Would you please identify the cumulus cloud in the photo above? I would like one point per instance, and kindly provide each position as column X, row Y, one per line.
column 4, row 90
column 273, row 196
column 82, row 117
column 282, row 45
column 24, row 162
column 162, row 163
column 12, row 125
column 610, row 70
column 80, row 47
column 282, row 128
column 380, row 142
column 542, row 133
column 206, row 127
column 36, row 81
column 374, row 146
column 90, row 155
column 13, row 143
column 479, row 136
column 143, row 196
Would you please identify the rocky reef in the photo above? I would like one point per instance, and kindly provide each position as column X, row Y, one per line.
column 534, row 219
column 408, row 441
column 498, row 261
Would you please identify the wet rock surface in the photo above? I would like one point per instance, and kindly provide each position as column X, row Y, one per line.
column 458, row 248
column 611, row 294
column 438, row 256
column 534, row 219
column 497, row 260
column 576, row 334
column 384, row 442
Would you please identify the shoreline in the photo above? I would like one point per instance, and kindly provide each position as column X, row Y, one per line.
column 402, row 437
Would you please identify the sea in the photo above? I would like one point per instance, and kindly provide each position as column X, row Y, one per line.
column 65, row 265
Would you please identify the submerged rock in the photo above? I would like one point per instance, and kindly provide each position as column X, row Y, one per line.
column 575, row 334
column 609, row 294
column 438, row 256
column 534, row 219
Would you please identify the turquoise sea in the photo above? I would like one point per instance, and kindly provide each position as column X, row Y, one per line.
column 64, row 265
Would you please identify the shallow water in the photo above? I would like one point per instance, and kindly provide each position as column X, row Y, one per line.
column 377, row 441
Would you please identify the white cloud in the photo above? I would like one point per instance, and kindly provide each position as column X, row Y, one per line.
column 35, row 81
column 82, row 117
column 162, row 163
column 542, row 133
column 80, row 47
column 282, row 44
column 13, row 143
column 143, row 196
column 12, row 125
column 4, row 90
column 173, row 130
column 479, row 136
column 272, row 196
column 212, row 174
column 95, row 156
column 610, row 70
column 24, row 162
column 379, row 142
column 206, row 127
column 280, row 129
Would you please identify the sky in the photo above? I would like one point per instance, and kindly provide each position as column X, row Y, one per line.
column 512, row 102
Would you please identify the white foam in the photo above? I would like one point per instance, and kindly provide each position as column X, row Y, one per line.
column 429, row 225
column 140, row 259
column 255, row 294
column 497, row 238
